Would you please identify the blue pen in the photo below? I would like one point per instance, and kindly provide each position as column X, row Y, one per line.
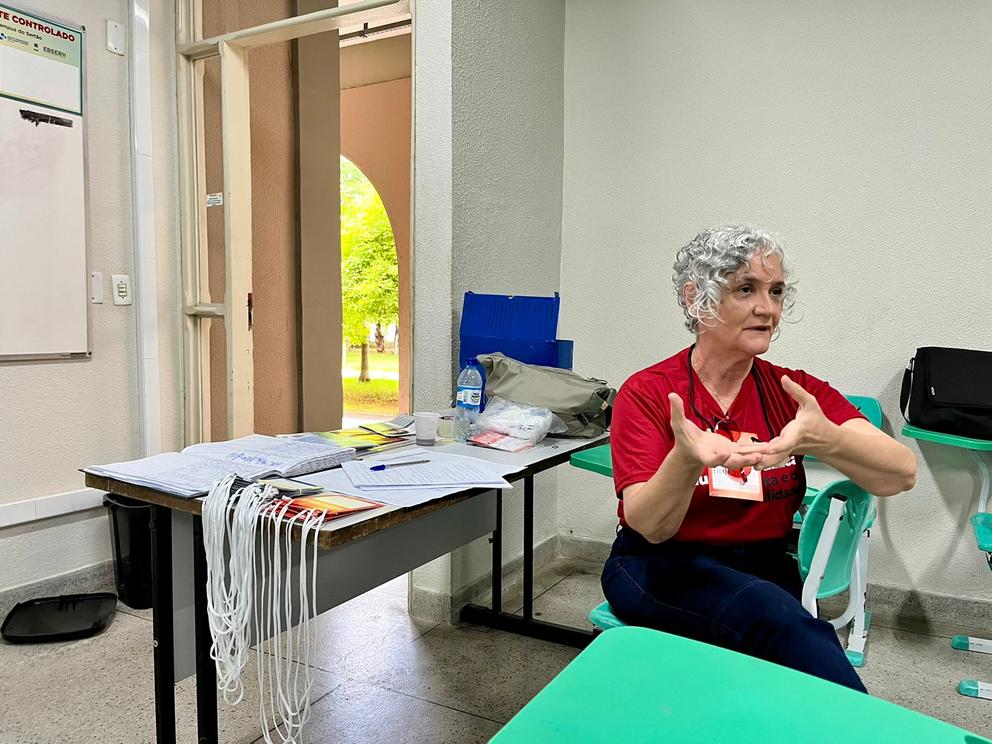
column 385, row 465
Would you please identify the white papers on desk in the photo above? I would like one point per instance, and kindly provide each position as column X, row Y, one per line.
column 171, row 472
column 194, row 470
column 463, row 472
column 337, row 480
column 258, row 455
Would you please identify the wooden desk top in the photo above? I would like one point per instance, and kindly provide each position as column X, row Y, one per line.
column 341, row 531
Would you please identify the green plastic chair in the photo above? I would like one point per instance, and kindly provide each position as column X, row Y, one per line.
column 872, row 410
column 602, row 618
column 981, row 523
column 858, row 636
column 829, row 559
column 833, row 557
column 858, row 512
column 847, row 566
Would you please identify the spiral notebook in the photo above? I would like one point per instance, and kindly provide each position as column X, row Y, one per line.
column 194, row 470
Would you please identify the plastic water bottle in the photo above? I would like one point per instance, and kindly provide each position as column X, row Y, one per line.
column 468, row 400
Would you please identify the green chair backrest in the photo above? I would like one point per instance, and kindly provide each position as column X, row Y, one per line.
column 869, row 407
column 603, row 618
column 859, row 511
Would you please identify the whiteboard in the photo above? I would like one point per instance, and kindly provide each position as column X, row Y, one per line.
column 43, row 270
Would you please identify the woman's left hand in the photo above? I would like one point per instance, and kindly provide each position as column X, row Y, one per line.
column 807, row 434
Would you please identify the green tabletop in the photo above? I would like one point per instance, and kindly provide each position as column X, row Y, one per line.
column 953, row 440
column 596, row 459
column 640, row 685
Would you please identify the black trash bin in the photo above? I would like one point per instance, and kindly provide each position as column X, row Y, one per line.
column 132, row 545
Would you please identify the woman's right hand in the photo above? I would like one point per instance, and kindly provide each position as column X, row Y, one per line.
column 708, row 448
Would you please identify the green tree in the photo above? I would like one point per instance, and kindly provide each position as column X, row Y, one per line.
column 369, row 273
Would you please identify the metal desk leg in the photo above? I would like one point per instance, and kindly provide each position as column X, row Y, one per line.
column 493, row 617
column 528, row 548
column 160, row 525
column 206, row 671
column 497, row 540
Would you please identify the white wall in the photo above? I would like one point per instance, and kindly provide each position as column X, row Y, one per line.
column 858, row 133
column 431, row 249
column 58, row 417
column 167, row 220
column 507, row 149
column 503, row 125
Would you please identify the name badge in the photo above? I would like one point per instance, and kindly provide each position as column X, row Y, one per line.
column 743, row 483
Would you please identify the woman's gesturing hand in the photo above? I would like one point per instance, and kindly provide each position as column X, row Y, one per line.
column 708, row 448
column 807, row 434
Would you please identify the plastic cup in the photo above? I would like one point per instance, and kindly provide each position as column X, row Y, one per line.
column 446, row 427
column 425, row 426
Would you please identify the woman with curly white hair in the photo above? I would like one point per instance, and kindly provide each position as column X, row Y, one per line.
column 707, row 463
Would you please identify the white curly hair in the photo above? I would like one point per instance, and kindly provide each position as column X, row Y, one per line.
column 711, row 258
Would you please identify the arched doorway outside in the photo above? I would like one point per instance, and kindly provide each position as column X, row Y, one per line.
column 370, row 298
column 376, row 136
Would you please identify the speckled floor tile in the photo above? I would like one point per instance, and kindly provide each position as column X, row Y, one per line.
column 373, row 623
column 568, row 602
column 922, row 672
column 491, row 675
column 104, row 687
column 360, row 713
column 143, row 614
column 241, row 722
column 397, row 587
column 545, row 579
column 392, row 678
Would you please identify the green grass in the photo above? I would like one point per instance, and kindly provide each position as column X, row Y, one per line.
column 386, row 362
column 375, row 395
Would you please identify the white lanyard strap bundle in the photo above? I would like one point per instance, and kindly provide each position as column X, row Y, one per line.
column 253, row 590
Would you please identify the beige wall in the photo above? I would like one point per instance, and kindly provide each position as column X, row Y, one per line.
column 375, row 136
column 825, row 124
column 319, row 132
column 274, row 233
column 505, row 78
column 58, row 416
column 376, row 61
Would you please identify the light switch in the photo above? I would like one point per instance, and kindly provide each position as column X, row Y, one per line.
column 121, row 287
column 115, row 38
column 96, row 287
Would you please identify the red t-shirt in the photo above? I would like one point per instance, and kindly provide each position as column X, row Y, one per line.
column 641, row 436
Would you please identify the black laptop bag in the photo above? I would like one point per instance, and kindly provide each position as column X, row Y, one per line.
column 949, row 391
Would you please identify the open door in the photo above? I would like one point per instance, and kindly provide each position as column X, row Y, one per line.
column 221, row 396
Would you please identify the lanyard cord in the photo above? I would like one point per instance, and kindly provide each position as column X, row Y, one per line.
column 712, row 423
column 253, row 589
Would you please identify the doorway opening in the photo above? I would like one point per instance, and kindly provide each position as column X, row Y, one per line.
column 370, row 369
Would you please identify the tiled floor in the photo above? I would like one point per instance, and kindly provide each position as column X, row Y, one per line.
column 386, row 677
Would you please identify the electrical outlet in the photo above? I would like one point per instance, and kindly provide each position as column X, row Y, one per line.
column 121, row 286
column 96, row 287
column 115, row 38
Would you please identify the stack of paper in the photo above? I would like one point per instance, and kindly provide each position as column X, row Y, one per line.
column 193, row 471
column 464, row 472
column 406, row 496
column 264, row 456
column 357, row 439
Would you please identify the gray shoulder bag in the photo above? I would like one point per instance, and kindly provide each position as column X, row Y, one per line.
column 583, row 404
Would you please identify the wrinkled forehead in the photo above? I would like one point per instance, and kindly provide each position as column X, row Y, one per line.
column 763, row 267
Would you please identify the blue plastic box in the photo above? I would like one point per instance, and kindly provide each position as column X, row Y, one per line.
column 520, row 327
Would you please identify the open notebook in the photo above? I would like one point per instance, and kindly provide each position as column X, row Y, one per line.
column 191, row 472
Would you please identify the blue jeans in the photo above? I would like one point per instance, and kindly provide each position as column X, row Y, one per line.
column 745, row 598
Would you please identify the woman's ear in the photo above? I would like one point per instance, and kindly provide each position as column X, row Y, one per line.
column 689, row 291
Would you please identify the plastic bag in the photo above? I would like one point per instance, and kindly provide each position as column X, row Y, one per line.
column 519, row 420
